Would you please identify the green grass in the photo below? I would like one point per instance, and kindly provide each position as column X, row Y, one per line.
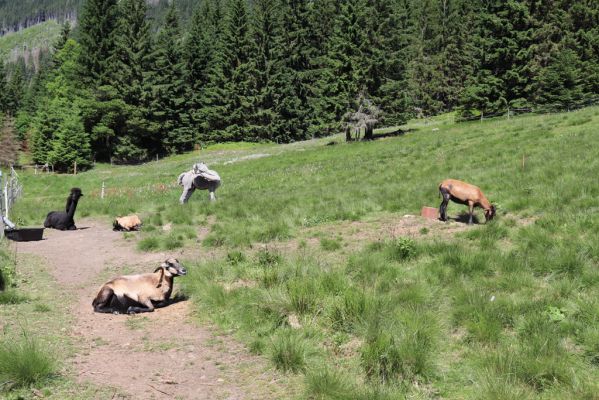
column 24, row 361
column 503, row 310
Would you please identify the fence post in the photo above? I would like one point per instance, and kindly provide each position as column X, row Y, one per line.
column 102, row 192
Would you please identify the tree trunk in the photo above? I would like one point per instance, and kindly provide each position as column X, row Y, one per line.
column 369, row 132
column 348, row 134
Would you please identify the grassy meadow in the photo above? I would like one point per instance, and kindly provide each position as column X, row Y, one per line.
column 506, row 310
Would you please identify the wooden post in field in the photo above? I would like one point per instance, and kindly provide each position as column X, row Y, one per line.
column 35, row 169
column 75, row 168
column 523, row 161
column 102, row 192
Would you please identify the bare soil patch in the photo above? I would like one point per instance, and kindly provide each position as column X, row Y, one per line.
column 160, row 355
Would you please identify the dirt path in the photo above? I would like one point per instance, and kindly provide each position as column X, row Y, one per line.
column 160, row 355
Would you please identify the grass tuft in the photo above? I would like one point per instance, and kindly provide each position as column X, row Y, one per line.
column 24, row 361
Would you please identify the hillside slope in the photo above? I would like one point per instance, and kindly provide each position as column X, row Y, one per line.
column 317, row 276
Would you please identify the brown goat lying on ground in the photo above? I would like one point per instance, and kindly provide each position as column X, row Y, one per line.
column 464, row 193
column 139, row 293
column 128, row 223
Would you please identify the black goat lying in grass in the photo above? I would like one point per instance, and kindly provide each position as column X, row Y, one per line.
column 64, row 220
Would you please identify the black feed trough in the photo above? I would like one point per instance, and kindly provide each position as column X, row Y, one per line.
column 24, row 234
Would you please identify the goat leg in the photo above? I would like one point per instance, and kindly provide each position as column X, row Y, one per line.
column 149, row 307
column 471, row 211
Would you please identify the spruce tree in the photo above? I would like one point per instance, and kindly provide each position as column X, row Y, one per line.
column 60, row 110
column 9, row 146
column 293, row 78
column 343, row 69
column 230, row 97
column 170, row 96
column 3, row 86
column 130, row 77
column 97, row 27
column 268, row 63
column 70, row 143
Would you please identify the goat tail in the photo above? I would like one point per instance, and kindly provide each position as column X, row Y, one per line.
column 180, row 179
column 104, row 296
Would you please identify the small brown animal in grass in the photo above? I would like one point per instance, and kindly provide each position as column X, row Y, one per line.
column 139, row 293
column 464, row 193
column 127, row 223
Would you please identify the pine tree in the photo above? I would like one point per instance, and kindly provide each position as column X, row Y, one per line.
column 502, row 41
column 343, row 69
column 170, row 96
column 229, row 103
column 60, row 108
column 97, row 28
column 14, row 91
column 9, row 146
column 387, row 52
column 3, row 86
column 268, row 64
column 70, row 144
column 199, row 53
column 559, row 86
column 132, row 61
column 293, row 78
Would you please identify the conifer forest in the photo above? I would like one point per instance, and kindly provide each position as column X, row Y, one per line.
column 126, row 84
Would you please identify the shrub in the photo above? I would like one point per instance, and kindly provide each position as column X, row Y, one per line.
column 330, row 244
column 12, row 296
column 401, row 249
column 289, row 352
column 325, row 384
column 149, row 243
column 23, row 361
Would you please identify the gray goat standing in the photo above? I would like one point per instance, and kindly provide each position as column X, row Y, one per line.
column 201, row 178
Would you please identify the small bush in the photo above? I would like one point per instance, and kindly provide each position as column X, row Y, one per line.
column 23, row 361
column 289, row 352
column 149, row 243
column 401, row 249
column 172, row 241
column 328, row 385
column 330, row 244
column 267, row 258
column 303, row 295
column 12, row 296
column 235, row 257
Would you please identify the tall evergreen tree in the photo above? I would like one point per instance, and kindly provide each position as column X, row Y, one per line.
column 3, row 86
column 130, row 78
column 14, row 91
column 58, row 117
column 168, row 107
column 97, row 27
column 293, row 79
column 230, row 96
column 343, row 69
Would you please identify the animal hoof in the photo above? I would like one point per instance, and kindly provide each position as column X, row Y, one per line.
column 116, row 312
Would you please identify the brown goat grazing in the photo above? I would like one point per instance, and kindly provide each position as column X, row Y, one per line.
column 128, row 223
column 464, row 193
column 139, row 293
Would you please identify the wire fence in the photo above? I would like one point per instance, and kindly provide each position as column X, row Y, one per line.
column 509, row 112
column 11, row 189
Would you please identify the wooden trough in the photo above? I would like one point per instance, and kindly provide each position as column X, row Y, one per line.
column 24, row 234
column 429, row 212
